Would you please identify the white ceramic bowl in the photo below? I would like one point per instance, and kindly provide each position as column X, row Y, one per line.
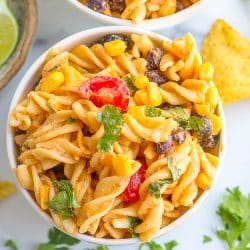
column 28, row 83
column 150, row 24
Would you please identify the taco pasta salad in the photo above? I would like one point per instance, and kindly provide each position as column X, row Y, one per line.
column 138, row 10
column 119, row 138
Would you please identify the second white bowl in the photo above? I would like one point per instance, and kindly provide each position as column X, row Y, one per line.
column 149, row 24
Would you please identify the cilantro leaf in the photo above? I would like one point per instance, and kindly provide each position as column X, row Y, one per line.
column 194, row 123
column 129, row 79
column 64, row 202
column 172, row 166
column 102, row 248
column 58, row 237
column 152, row 111
column 133, row 222
column 112, row 120
column 177, row 113
column 235, row 216
column 99, row 248
column 155, row 188
column 171, row 245
column 10, row 244
column 206, row 239
column 49, row 246
column 152, row 245
column 58, row 241
column 70, row 120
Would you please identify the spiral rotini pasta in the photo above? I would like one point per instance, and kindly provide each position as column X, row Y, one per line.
column 138, row 10
column 120, row 138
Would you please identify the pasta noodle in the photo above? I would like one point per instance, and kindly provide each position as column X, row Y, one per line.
column 138, row 10
column 144, row 155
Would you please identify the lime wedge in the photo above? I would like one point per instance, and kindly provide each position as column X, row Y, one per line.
column 8, row 31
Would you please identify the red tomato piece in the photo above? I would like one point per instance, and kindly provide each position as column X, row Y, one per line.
column 131, row 193
column 102, row 90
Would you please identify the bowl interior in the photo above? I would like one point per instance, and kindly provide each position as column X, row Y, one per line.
column 25, row 13
column 149, row 24
column 30, row 80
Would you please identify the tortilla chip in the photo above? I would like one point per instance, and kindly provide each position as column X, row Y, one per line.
column 229, row 52
column 6, row 189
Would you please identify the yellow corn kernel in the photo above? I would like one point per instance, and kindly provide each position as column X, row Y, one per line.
column 44, row 196
column 154, row 94
column 141, row 82
column 217, row 124
column 115, row 48
column 212, row 97
column 202, row 109
column 52, row 82
column 168, row 8
column 122, row 165
column 206, row 71
column 73, row 77
column 203, row 181
column 141, row 97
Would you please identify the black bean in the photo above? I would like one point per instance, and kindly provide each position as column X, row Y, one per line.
column 112, row 37
column 179, row 135
column 163, row 147
column 117, row 5
column 206, row 129
column 154, row 58
column 156, row 76
column 86, row 131
column 211, row 142
column 97, row 5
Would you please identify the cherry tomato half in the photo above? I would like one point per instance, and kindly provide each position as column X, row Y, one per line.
column 102, row 90
column 131, row 193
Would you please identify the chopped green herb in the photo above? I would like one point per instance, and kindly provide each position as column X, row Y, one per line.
column 171, row 245
column 129, row 79
column 102, row 248
column 194, row 123
column 70, row 120
column 112, row 120
column 25, row 147
column 133, row 222
column 58, row 241
column 64, row 202
column 152, row 245
column 172, row 166
column 152, row 111
column 155, row 188
column 176, row 113
column 10, row 244
column 235, row 216
column 206, row 239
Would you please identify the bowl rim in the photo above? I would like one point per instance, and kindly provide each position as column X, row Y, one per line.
column 34, row 70
column 21, row 54
column 151, row 24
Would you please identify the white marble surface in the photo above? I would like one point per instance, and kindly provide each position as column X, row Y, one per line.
column 58, row 19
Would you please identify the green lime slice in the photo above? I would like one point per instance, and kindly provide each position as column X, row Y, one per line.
column 8, row 31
